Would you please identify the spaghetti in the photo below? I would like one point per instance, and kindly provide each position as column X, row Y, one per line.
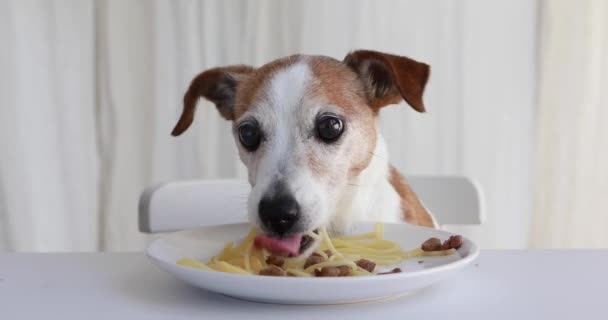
column 352, row 255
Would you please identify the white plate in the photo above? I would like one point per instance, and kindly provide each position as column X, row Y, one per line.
column 203, row 243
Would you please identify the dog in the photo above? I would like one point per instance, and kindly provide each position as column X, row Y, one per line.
column 306, row 128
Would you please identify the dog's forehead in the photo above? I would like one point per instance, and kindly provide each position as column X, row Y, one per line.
column 288, row 79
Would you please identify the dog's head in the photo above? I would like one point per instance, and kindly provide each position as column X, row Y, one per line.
column 305, row 126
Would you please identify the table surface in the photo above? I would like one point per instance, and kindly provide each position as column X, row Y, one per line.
column 560, row 284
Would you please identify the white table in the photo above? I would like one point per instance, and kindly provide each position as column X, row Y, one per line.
column 502, row 284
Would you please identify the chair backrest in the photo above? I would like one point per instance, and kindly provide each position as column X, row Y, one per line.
column 187, row 204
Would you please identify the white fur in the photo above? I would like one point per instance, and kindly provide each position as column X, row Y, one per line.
column 282, row 114
column 370, row 197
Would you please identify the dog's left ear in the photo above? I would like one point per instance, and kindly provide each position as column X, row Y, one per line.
column 218, row 85
column 389, row 78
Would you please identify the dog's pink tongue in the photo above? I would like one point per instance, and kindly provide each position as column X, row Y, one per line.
column 289, row 245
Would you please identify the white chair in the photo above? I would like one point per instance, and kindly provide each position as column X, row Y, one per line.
column 187, row 204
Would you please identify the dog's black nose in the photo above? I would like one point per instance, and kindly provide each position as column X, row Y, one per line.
column 279, row 214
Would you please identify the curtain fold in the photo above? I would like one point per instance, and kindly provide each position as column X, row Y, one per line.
column 48, row 160
column 110, row 75
column 572, row 170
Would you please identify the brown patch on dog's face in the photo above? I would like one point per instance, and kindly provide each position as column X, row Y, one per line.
column 251, row 90
column 338, row 85
column 334, row 84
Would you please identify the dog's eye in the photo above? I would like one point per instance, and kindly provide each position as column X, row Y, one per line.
column 329, row 127
column 249, row 135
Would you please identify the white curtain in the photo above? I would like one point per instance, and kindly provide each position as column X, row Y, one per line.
column 49, row 167
column 572, row 167
column 91, row 90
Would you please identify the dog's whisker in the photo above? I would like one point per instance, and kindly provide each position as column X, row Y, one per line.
column 376, row 155
column 356, row 185
column 240, row 105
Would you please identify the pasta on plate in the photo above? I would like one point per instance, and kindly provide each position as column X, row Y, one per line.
column 350, row 255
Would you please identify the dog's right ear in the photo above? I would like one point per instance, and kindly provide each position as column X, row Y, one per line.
column 388, row 78
column 217, row 85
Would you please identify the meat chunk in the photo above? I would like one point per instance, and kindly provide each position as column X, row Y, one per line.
column 313, row 259
column 445, row 245
column 339, row 271
column 276, row 260
column 396, row 270
column 305, row 243
column 432, row 244
column 327, row 253
column 454, row 242
column 366, row 264
column 273, row 271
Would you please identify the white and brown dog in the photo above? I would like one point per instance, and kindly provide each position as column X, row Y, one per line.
column 307, row 130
